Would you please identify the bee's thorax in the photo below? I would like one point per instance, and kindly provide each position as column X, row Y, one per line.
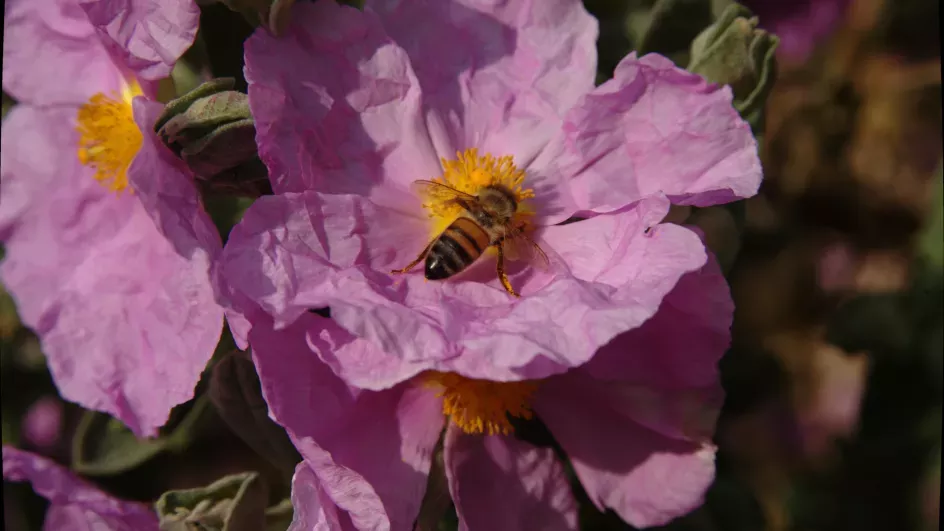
column 498, row 201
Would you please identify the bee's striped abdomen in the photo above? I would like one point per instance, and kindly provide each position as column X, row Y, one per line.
column 457, row 247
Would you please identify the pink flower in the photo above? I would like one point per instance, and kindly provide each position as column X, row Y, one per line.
column 42, row 424
column 350, row 108
column 800, row 25
column 73, row 503
column 635, row 423
column 107, row 245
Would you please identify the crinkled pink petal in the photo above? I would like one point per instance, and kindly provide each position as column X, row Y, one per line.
column 654, row 128
column 336, row 104
column 664, row 374
column 495, row 75
column 278, row 255
column 680, row 346
column 74, row 504
column 52, row 55
column 370, row 450
column 357, row 360
column 502, row 483
column 167, row 191
column 615, row 278
column 299, row 251
column 116, row 307
column 313, row 509
column 145, row 36
column 646, row 477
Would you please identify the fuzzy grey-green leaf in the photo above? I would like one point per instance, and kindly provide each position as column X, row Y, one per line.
column 233, row 503
column 103, row 446
column 279, row 516
column 236, row 393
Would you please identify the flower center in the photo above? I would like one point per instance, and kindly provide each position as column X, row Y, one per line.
column 469, row 173
column 108, row 136
column 481, row 406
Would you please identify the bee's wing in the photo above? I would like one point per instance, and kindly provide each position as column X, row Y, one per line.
column 438, row 191
column 519, row 247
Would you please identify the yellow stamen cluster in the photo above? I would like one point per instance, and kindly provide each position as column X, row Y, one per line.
column 469, row 173
column 482, row 406
column 108, row 137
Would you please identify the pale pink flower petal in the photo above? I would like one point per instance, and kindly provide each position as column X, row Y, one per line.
column 115, row 305
column 118, row 301
column 654, row 128
column 679, row 348
column 146, row 36
column 371, row 451
column 336, row 104
column 52, row 54
column 610, row 277
column 646, row 477
column 357, row 360
column 637, row 419
column 313, row 509
column 503, row 483
column 167, row 191
column 664, row 374
column 504, row 74
column 74, row 504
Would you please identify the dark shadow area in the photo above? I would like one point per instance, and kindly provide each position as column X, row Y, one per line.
column 222, row 33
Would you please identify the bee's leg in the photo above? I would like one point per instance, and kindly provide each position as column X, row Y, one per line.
column 501, row 272
column 418, row 259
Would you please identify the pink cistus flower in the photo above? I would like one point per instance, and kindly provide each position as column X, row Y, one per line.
column 613, row 344
column 107, row 245
column 42, row 423
column 800, row 25
column 74, row 504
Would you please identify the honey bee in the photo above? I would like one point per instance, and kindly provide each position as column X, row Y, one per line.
column 487, row 220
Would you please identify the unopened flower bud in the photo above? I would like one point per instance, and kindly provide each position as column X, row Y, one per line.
column 211, row 129
column 733, row 51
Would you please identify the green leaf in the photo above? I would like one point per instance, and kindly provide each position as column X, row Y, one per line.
column 233, row 503
column 236, row 393
column 437, row 500
column 104, row 446
column 9, row 430
column 932, row 238
column 7, row 105
column 670, row 27
column 279, row 517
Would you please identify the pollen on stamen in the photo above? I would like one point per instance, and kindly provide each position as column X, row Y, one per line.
column 109, row 138
column 469, row 172
column 482, row 406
